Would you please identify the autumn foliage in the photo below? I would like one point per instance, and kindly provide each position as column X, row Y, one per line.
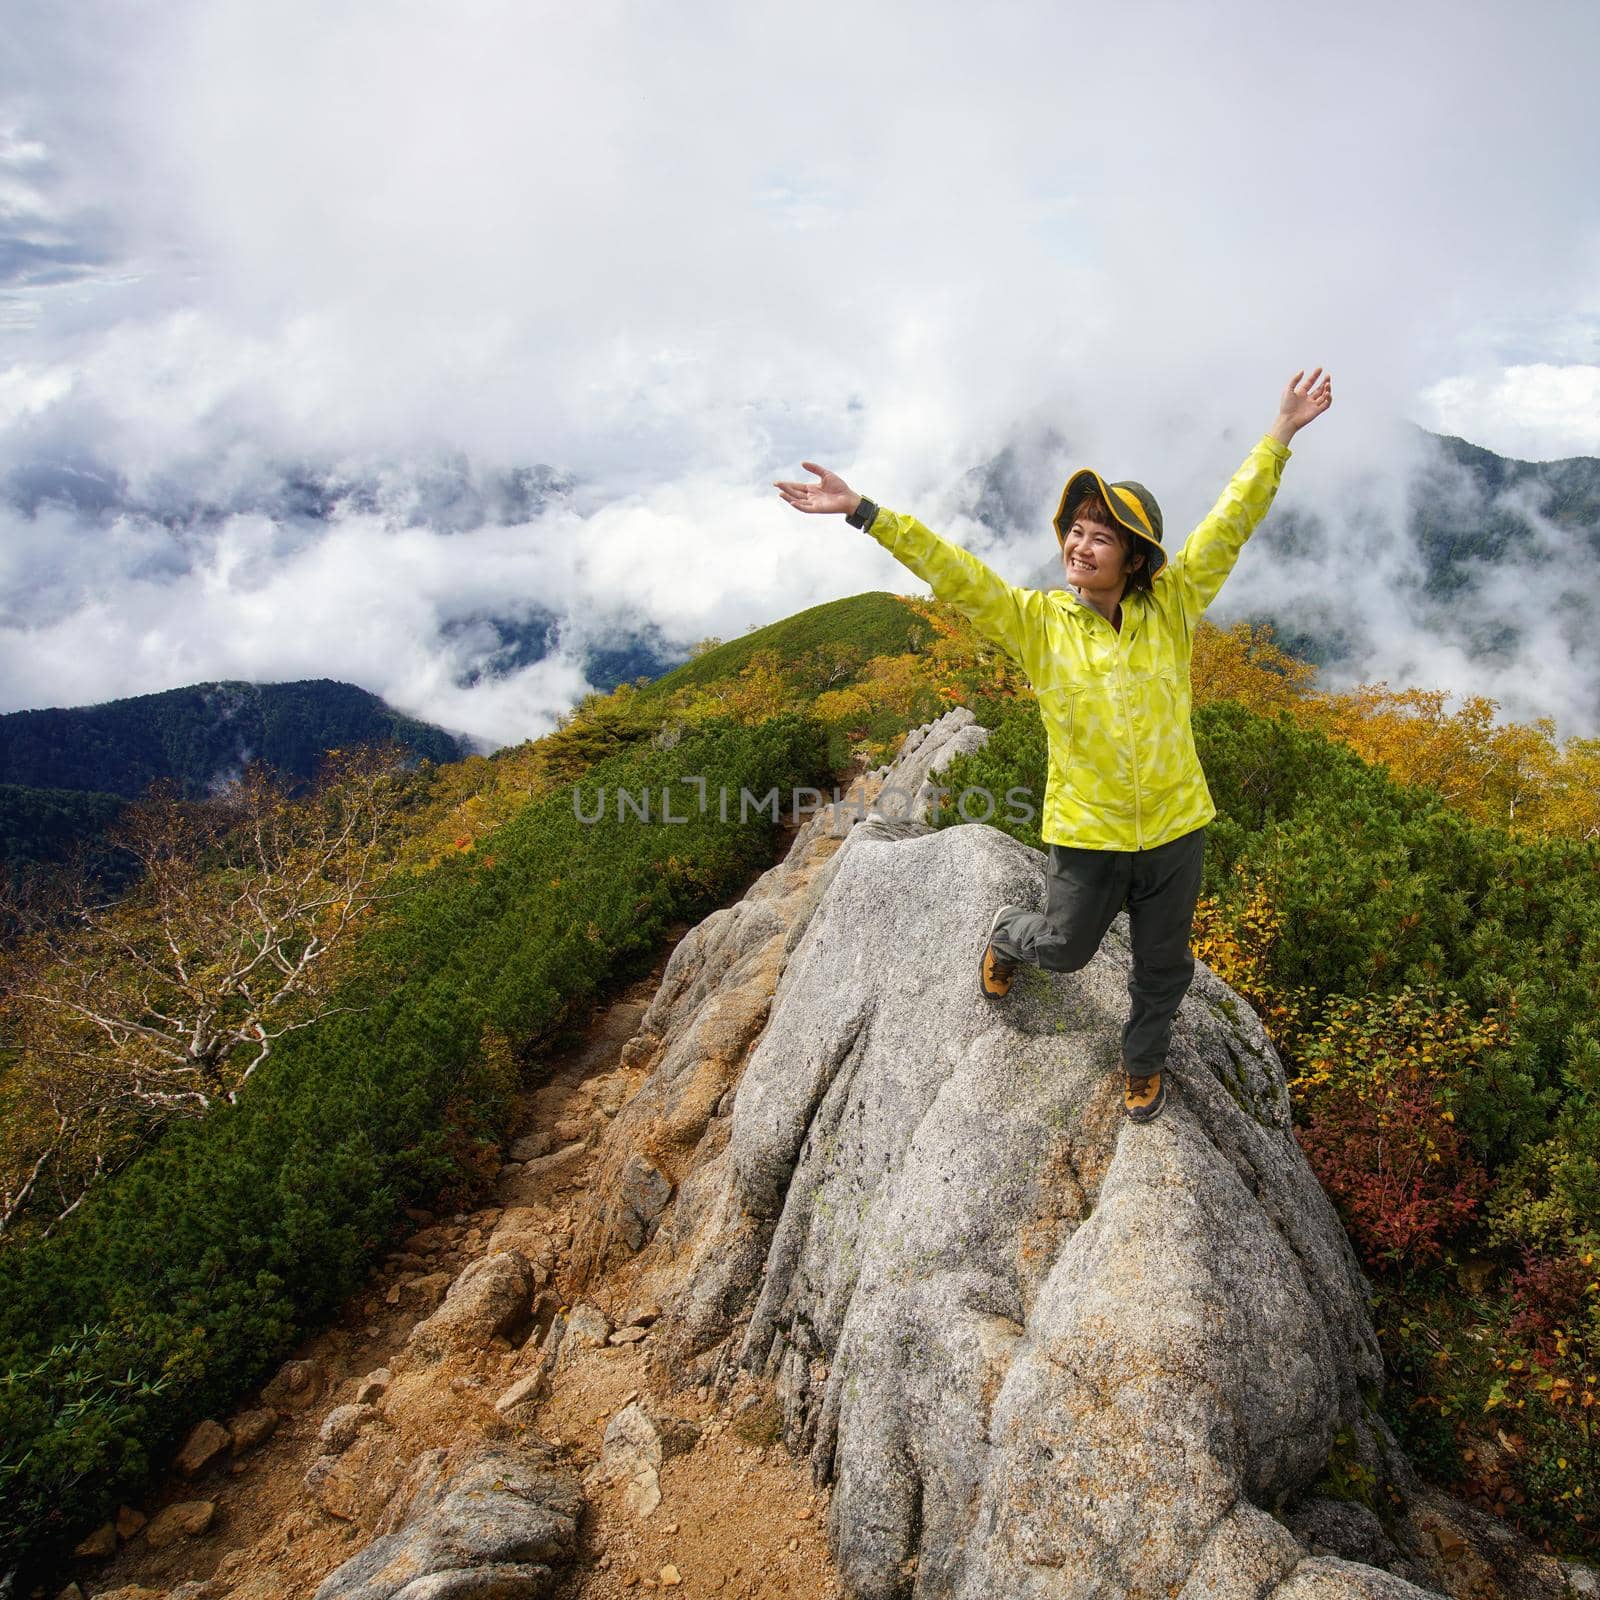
column 1511, row 775
column 1374, row 1092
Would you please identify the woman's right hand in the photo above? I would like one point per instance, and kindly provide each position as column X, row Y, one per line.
column 833, row 494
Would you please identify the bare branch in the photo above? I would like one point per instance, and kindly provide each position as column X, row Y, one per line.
column 129, row 1013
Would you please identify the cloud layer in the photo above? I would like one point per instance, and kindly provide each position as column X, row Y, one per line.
column 673, row 254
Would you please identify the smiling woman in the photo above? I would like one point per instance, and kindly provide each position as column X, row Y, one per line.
column 1100, row 557
column 1126, row 802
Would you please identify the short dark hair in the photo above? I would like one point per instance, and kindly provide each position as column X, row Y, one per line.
column 1091, row 508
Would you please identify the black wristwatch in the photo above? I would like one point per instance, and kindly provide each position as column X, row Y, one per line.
column 863, row 514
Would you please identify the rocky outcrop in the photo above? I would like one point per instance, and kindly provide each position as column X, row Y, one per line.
column 1035, row 1346
column 910, row 787
column 502, row 1522
column 712, row 1004
column 1036, row 1349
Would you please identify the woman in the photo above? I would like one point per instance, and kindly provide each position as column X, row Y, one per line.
column 1126, row 804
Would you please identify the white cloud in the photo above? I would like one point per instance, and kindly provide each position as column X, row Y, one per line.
column 1537, row 412
column 25, row 391
column 134, row 607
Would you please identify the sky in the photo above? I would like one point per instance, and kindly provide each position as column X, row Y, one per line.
column 670, row 253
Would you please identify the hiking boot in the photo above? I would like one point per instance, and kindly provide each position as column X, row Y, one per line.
column 994, row 972
column 1144, row 1097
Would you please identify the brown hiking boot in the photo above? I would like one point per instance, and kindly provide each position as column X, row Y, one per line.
column 1144, row 1097
column 994, row 972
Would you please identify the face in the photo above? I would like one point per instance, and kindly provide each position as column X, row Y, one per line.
column 1096, row 558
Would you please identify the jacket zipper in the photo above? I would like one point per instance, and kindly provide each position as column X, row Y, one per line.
column 1133, row 755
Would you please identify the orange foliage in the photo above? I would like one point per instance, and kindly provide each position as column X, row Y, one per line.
column 957, row 657
column 761, row 689
column 1235, row 939
column 843, row 705
column 1512, row 775
column 894, row 682
column 1501, row 774
column 1244, row 664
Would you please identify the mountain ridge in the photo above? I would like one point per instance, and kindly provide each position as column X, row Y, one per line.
column 67, row 772
column 198, row 733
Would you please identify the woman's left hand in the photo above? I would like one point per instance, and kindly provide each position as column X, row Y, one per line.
column 1303, row 401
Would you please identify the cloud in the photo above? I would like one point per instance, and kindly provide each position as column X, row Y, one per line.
column 1515, row 629
column 671, row 254
column 128, row 604
column 1538, row 412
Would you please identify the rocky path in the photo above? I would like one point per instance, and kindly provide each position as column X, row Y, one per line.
column 693, row 1496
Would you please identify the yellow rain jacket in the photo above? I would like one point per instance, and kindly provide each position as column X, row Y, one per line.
column 1124, row 774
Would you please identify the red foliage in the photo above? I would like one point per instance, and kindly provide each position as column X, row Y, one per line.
column 1549, row 1293
column 1396, row 1167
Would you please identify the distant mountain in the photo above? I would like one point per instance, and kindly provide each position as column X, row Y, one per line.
column 1507, row 550
column 65, row 773
column 1452, row 535
column 447, row 491
column 203, row 735
column 1488, row 588
column 1019, row 486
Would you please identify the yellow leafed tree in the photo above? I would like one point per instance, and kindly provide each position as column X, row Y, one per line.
column 121, row 1017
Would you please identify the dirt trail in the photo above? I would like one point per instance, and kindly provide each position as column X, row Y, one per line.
column 738, row 1517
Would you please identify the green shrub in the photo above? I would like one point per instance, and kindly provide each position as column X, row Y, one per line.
column 876, row 622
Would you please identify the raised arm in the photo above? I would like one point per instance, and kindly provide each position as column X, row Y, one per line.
column 1208, row 555
column 1009, row 616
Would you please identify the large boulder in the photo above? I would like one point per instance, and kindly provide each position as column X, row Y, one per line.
column 1038, row 1350
column 502, row 1522
column 1032, row 1343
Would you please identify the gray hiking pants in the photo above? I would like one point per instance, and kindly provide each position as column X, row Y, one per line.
column 1085, row 889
